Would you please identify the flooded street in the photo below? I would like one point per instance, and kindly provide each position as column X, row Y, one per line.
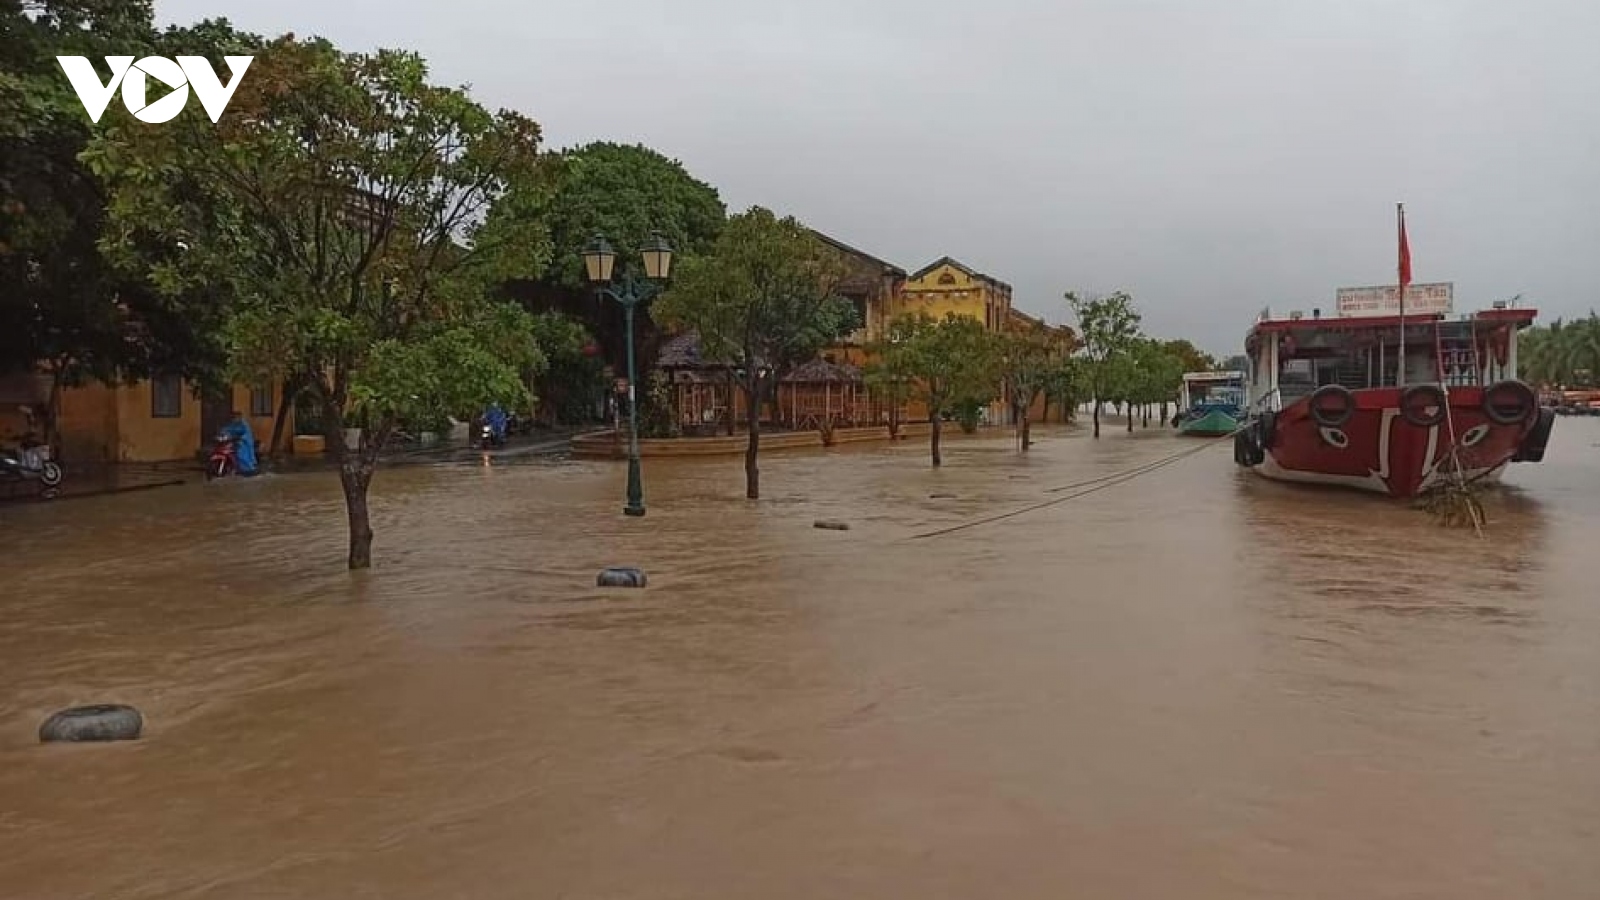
column 1197, row 684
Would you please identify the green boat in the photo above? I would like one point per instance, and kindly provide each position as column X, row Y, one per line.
column 1210, row 404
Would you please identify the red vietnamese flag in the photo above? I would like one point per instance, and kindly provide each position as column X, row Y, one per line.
column 1405, row 253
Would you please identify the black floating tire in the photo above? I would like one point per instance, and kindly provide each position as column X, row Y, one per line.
column 108, row 722
column 1332, row 405
column 1415, row 401
column 1538, row 437
column 1509, row 402
column 621, row 576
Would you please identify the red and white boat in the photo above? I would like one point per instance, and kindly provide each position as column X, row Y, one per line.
column 1331, row 403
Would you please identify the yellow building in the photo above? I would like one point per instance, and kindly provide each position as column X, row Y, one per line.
column 158, row 420
column 947, row 286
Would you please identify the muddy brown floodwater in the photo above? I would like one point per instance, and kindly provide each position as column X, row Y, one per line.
column 1194, row 685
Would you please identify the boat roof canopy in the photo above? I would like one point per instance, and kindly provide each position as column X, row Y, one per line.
column 1213, row 376
column 1518, row 318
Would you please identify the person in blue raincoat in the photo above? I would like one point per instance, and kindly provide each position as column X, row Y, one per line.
column 244, row 444
column 496, row 417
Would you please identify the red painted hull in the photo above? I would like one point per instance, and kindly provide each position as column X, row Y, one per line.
column 1378, row 450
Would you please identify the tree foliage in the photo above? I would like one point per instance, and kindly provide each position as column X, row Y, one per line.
column 952, row 362
column 61, row 305
column 1561, row 354
column 1029, row 357
column 626, row 192
column 1108, row 328
column 764, row 300
column 348, row 209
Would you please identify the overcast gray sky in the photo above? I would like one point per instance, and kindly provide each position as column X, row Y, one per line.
column 1211, row 156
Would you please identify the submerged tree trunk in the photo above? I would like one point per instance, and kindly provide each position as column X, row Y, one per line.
column 1097, row 417
column 1027, row 435
column 1127, row 409
column 1164, row 417
column 355, row 476
column 937, row 421
column 752, row 474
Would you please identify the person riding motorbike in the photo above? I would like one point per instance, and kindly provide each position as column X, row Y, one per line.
column 244, row 444
column 495, row 417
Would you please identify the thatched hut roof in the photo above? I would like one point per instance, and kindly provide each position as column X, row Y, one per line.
column 683, row 352
column 820, row 371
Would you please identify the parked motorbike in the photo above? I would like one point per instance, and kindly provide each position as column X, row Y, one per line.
column 31, row 463
column 224, row 459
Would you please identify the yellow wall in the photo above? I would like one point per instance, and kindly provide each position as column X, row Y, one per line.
column 143, row 438
column 946, row 289
column 104, row 423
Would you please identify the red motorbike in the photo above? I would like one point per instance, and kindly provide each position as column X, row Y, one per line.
column 224, row 459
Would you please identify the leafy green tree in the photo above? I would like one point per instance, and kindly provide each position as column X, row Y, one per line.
column 1028, row 360
column 954, row 362
column 764, row 300
column 1190, row 358
column 626, row 192
column 350, row 210
column 887, row 378
column 1107, row 329
column 573, row 383
column 61, row 305
column 1065, row 385
column 1158, row 372
column 1564, row 354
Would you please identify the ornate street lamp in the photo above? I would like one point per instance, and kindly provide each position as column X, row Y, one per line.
column 598, row 261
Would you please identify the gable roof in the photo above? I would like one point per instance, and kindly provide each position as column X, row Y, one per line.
column 888, row 267
column 959, row 267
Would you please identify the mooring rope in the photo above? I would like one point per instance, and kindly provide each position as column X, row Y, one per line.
column 1089, row 487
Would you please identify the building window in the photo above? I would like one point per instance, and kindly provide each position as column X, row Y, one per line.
column 166, row 397
column 261, row 401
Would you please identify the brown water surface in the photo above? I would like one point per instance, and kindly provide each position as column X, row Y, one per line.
column 1194, row 685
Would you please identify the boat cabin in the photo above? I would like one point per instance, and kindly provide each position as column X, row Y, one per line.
column 1290, row 358
column 1211, row 389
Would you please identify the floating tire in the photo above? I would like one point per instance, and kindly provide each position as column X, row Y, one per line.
column 107, row 722
column 1332, row 405
column 1509, row 403
column 1417, row 400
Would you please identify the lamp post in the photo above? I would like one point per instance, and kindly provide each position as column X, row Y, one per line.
column 598, row 261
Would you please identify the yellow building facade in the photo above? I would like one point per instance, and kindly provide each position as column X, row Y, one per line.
column 946, row 286
column 158, row 420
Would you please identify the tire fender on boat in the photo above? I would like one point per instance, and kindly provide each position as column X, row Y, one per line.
column 1509, row 402
column 1417, row 399
column 1532, row 447
column 1266, row 430
column 1332, row 405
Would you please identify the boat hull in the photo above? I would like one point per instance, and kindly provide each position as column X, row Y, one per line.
column 1214, row 423
column 1379, row 450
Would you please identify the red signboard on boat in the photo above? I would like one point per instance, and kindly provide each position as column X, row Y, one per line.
column 1385, row 300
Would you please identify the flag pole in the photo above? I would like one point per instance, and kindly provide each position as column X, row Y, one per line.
column 1400, row 277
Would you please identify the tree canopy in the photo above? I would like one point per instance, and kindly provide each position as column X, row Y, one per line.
column 1564, row 354
column 1108, row 328
column 356, row 217
column 626, row 192
column 952, row 362
column 61, row 304
column 763, row 300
